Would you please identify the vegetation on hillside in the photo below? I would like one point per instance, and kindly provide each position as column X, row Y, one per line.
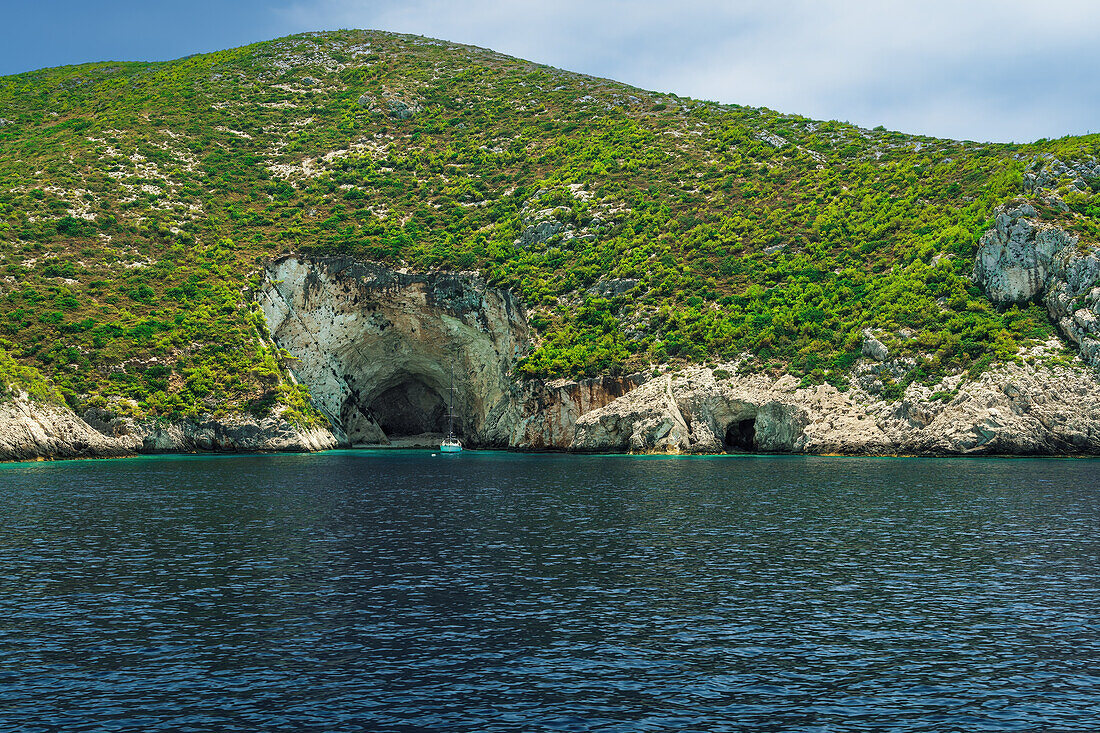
column 139, row 201
column 18, row 378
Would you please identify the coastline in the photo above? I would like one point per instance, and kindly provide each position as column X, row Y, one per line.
column 1013, row 411
column 523, row 452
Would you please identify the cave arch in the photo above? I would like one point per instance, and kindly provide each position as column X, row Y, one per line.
column 377, row 347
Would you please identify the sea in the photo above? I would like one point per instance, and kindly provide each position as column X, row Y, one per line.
column 491, row 591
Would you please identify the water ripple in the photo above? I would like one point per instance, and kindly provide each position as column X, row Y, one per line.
column 486, row 592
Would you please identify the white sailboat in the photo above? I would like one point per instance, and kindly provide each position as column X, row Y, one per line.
column 451, row 444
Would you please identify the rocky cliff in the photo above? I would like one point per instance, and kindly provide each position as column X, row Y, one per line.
column 382, row 350
column 1023, row 259
column 372, row 342
column 32, row 429
column 1017, row 409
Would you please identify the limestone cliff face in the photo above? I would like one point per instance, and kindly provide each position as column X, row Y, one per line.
column 1022, row 258
column 1018, row 256
column 548, row 415
column 226, row 433
column 1013, row 410
column 378, row 347
column 30, row 429
column 382, row 349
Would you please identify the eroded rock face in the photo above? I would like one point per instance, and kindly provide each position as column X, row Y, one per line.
column 1015, row 409
column 1016, row 257
column 228, row 433
column 30, row 429
column 1022, row 259
column 549, row 412
column 377, row 347
column 874, row 348
column 692, row 412
column 375, row 344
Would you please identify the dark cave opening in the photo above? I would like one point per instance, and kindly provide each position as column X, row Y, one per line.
column 409, row 408
column 741, row 434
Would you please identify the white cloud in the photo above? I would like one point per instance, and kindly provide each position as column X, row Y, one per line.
column 979, row 69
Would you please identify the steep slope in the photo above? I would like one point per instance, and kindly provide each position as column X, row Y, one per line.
column 140, row 205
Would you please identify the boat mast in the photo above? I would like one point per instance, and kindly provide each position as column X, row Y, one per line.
column 451, row 406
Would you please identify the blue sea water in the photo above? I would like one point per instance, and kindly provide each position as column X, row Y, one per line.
column 397, row 591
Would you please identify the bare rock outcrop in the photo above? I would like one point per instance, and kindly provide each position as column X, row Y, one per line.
column 1047, row 173
column 693, row 412
column 1018, row 255
column 1022, row 259
column 382, row 349
column 34, row 429
column 1014, row 409
column 548, row 411
column 225, row 433
column 377, row 348
column 371, row 342
column 31, row 429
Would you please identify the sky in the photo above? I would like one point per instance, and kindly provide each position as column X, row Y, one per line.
column 986, row 70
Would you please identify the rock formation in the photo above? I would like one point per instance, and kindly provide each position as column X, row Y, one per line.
column 1023, row 259
column 367, row 339
column 1016, row 409
column 548, row 412
column 377, row 348
column 1018, row 257
column 227, row 433
column 372, row 343
column 35, row 429
column 31, row 429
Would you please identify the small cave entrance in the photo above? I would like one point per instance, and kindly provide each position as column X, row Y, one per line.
column 741, row 435
column 409, row 408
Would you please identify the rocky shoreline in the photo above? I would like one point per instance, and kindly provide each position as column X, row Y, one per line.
column 379, row 348
column 32, row 430
column 1016, row 410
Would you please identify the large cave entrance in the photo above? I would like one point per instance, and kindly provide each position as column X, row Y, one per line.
column 381, row 349
column 741, row 435
column 409, row 408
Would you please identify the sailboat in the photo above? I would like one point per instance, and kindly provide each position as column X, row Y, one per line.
column 451, row 444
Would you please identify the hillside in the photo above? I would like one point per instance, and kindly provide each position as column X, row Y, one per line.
column 140, row 202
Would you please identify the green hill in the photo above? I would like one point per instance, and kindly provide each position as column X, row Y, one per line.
column 138, row 202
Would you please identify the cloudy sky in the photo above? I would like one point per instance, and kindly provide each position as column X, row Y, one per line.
column 976, row 69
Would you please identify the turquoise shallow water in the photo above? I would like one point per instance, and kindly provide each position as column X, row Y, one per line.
column 396, row 591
